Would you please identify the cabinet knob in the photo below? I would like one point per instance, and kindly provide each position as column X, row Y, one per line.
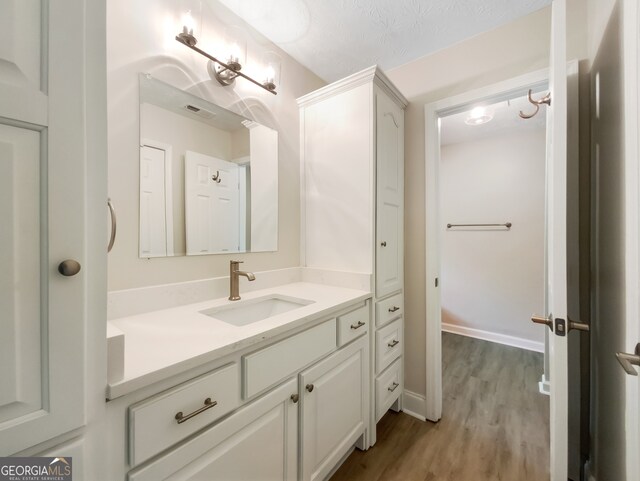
column 295, row 398
column 69, row 267
column 383, row 243
column 309, row 387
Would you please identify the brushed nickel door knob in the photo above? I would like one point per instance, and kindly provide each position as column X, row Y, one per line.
column 69, row 267
column 547, row 321
column 295, row 398
column 309, row 387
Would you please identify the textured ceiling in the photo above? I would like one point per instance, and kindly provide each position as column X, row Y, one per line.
column 335, row 38
column 453, row 128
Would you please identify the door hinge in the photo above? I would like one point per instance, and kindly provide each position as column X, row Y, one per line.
column 560, row 327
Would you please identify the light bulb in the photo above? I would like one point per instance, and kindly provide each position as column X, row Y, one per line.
column 188, row 23
column 234, row 53
column 478, row 116
column 270, row 75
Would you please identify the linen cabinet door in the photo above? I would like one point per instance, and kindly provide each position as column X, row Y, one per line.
column 334, row 409
column 389, row 196
column 46, row 239
column 257, row 443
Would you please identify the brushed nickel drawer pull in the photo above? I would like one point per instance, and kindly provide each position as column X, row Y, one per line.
column 357, row 326
column 295, row 398
column 383, row 243
column 208, row 404
column 393, row 387
column 394, row 309
column 309, row 387
column 393, row 343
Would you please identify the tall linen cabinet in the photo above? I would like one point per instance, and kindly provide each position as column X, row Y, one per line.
column 352, row 208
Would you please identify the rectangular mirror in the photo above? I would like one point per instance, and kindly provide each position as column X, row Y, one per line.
column 208, row 177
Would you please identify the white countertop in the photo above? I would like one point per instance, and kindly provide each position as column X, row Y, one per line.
column 167, row 342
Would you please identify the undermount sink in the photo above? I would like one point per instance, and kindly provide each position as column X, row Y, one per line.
column 254, row 310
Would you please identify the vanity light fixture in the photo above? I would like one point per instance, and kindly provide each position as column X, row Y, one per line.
column 226, row 71
column 479, row 116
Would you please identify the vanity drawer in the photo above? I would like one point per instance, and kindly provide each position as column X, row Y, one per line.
column 265, row 368
column 153, row 425
column 389, row 386
column 388, row 344
column 389, row 309
column 353, row 325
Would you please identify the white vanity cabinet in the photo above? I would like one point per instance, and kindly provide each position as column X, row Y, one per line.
column 285, row 409
column 352, row 177
column 258, row 442
column 334, row 408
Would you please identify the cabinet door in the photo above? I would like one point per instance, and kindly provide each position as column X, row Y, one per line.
column 257, row 443
column 334, row 409
column 390, row 196
column 44, row 211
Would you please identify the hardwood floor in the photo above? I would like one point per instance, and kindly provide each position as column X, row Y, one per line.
column 494, row 426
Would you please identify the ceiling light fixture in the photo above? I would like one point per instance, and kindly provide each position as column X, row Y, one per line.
column 226, row 72
column 479, row 116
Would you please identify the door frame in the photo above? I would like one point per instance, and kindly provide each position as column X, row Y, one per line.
column 168, row 188
column 497, row 92
column 631, row 74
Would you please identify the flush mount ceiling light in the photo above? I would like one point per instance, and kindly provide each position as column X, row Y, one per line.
column 479, row 116
column 228, row 70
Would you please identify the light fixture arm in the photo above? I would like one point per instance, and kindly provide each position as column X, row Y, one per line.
column 227, row 67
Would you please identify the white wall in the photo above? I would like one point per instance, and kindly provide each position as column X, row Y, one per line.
column 140, row 38
column 264, row 188
column 493, row 280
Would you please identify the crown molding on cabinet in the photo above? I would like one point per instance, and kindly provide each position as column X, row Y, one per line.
column 371, row 74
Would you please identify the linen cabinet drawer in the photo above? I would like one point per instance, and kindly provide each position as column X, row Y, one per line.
column 389, row 386
column 268, row 366
column 389, row 309
column 163, row 420
column 388, row 344
column 353, row 325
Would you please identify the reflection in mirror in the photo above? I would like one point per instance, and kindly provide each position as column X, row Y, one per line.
column 208, row 177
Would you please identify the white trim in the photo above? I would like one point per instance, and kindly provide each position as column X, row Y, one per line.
column 631, row 76
column 370, row 74
column 413, row 404
column 544, row 386
column 504, row 339
column 496, row 92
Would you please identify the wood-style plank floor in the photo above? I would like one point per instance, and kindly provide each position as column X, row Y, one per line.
column 494, row 426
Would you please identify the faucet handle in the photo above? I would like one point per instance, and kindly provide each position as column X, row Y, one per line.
column 236, row 262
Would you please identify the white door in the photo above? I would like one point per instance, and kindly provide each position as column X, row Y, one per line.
column 333, row 417
column 153, row 222
column 212, row 205
column 45, row 214
column 556, row 271
column 390, row 197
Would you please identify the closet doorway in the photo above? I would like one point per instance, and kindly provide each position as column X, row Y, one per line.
column 558, row 196
column 492, row 173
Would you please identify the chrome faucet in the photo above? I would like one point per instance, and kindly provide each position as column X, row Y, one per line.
column 234, row 280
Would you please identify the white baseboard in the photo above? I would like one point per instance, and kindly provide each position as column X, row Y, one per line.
column 544, row 386
column 414, row 405
column 494, row 337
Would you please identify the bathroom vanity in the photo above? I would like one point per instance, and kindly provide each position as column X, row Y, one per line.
column 274, row 386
